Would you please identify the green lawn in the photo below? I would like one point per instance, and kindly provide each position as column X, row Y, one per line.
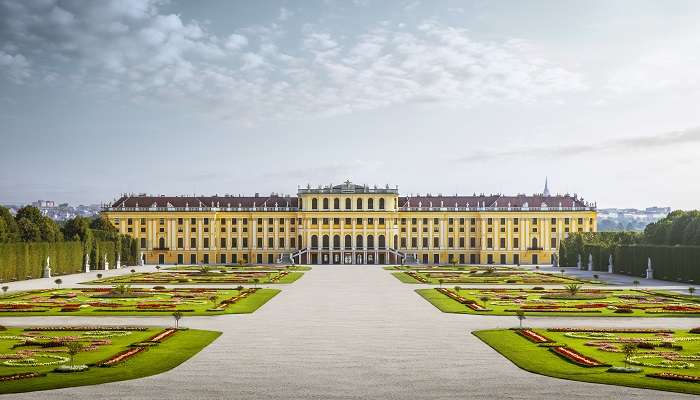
column 166, row 355
column 602, row 302
column 540, row 360
column 138, row 301
column 211, row 277
column 457, row 267
column 240, row 268
column 487, row 277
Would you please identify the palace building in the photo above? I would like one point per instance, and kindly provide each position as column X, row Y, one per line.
column 351, row 224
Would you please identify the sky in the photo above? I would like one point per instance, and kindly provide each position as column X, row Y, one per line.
column 99, row 98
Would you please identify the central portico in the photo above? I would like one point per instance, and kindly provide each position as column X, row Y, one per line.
column 348, row 224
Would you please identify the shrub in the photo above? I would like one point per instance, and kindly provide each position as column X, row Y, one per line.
column 538, row 288
column 624, row 311
column 695, row 330
column 68, row 368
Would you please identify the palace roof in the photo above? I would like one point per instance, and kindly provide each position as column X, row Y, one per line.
column 130, row 201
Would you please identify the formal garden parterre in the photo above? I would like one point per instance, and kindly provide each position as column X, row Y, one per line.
column 205, row 275
column 242, row 267
column 570, row 301
column 40, row 358
column 647, row 358
column 125, row 300
column 487, row 276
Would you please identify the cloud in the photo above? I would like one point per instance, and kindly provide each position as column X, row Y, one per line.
column 15, row 67
column 236, row 42
column 667, row 139
column 136, row 48
column 284, row 14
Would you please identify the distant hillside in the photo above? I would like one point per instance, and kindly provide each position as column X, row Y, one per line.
column 629, row 219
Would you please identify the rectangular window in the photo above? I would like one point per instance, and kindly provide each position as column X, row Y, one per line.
column 260, row 243
column 193, row 243
column 503, row 258
column 554, row 221
column 436, row 242
column 472, row 242
column 206, row 259
column 381, row 221
column 461, row 243
column 516, row 243
column 503, row 243
column 223, row 243
column 489, row 221
column 270, row 242
column 180, row 243
column 206, row 221
column 450, row 242
column 245, row 243
column 553, row 244
column 180, row 221
column 370, row 221
column 489, row 243
column 348, row 221
column 223, row 259
column 193, row 221
column 425, row 242
column 580, row 221
column 143, row 243
column 358, row 221
column 503, row 221
column 281, row 241
column 516, row 221
column 234, row 243
column 403, row 242
column 414, row 243
column 206, row 243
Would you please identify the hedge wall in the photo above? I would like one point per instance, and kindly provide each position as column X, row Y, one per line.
column 23, row 260
column 672, row 263
column 19, row 261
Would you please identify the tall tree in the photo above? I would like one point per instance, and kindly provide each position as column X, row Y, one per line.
column 77, row 228
column 11, row 230
column 28, row 230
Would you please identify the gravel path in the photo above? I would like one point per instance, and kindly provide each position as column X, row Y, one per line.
column 349, row 332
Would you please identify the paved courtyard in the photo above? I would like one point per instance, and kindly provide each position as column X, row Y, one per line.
column 347, row 332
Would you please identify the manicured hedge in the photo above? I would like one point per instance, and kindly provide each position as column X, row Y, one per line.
column 672, row 263
column 21, row 260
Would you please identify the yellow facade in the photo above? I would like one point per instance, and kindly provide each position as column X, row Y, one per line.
column 351, row 224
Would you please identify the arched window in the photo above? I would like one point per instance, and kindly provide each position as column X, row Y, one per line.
column 370, row 204
column 325, row 203
column 396, row 242
column 359, row 204
column 326, row 243
column 336, row 242
column 336, row 204
column 348, row 203
column 370, row 242
column 381, row 203
column 358, row 242
column 382, row 243
column 348, row 242
column 314, row 204
column 161, row 243
column 534, row 243
column 314, row 242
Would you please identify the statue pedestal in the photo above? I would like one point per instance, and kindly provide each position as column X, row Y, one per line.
column 610, row 268
column 46, row 273
column 650, row 273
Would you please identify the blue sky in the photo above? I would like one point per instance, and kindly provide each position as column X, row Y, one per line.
column 100, row 98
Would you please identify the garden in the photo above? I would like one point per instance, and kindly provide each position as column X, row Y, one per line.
column 659, row 359
column 63, row 356
column 125, row 300
column 572, row 300
column 241, row 267
column 488, row 275
column 204, row 275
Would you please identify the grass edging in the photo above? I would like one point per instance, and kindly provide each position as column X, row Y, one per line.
column 523, row 359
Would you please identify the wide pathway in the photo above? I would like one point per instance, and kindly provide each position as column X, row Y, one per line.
column 350, row 332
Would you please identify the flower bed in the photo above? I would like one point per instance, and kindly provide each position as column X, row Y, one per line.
column 675, row 377
column 576, row 357
column 162, row 335
column 612, row 330
column 18, row 376
column 533, row 336
column 120, row 357
column 85, row 328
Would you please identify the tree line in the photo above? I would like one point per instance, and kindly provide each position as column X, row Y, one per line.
column 29, row 225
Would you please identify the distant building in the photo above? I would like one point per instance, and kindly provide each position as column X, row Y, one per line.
column 629, row 219
column 44, row 204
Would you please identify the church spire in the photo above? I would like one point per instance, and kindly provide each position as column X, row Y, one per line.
column 546, row 188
